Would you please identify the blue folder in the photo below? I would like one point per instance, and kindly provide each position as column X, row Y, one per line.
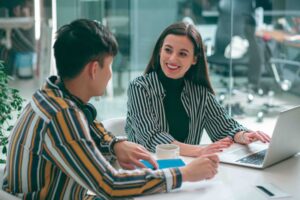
column 165, row 163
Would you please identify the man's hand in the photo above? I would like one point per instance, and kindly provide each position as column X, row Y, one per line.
column 129, row 155
column 201, row 168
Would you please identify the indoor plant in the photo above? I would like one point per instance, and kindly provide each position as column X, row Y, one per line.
column 10, row 106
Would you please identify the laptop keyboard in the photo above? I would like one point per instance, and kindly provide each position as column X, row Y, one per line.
column 256, row 158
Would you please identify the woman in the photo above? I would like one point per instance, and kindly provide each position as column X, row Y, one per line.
column 174, row 101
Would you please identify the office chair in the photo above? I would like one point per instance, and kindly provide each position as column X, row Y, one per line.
column 115, row 125
column 244, row 26
column 286, row 71
column 250, row 64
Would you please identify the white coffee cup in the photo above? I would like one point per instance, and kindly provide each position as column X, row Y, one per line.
column 167, row 151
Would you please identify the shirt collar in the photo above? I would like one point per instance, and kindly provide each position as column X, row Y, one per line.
column 54, row 83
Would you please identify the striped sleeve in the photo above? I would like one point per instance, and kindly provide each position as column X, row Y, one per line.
column 218, row 123
column 69, row 145
column 142, row 124
column 103, row 139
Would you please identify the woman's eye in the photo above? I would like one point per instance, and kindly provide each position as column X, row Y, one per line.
column 168, row 50
column 183, row 54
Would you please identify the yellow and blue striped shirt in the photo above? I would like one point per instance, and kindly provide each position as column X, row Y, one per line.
column 54, row 153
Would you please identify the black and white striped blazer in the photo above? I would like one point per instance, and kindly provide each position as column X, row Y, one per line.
column 146, row 122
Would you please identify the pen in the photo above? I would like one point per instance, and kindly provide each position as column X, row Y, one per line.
column 265, row 190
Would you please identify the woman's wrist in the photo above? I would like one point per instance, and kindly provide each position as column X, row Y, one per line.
column 240, row 137
column 187, row 149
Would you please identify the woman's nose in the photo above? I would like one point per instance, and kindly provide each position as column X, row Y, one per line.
column 173, row 57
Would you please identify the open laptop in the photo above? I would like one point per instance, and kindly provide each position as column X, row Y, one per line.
column 285, row 143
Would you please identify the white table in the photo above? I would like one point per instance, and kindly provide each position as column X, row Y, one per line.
column 238, row 183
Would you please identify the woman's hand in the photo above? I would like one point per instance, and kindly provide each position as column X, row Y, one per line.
column 216, row 147
column 246, row 137
column 196, row 150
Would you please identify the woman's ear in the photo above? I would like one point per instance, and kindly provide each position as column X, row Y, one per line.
column 195, row 60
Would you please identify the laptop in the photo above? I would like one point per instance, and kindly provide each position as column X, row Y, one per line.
column 285, row 142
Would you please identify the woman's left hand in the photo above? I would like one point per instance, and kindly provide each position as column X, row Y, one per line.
column 251, row 136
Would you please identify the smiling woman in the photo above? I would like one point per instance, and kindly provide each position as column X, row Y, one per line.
column 174, row 101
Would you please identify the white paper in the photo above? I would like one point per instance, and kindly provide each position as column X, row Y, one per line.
column 278, row 193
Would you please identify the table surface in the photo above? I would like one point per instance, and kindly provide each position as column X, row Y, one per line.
column 237, row 182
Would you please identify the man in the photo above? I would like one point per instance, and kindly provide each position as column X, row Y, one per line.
column 57, row 148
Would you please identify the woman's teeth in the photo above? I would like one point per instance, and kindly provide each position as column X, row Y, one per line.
column 173, row 66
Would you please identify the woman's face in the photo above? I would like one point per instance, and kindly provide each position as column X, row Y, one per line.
column 176, row 56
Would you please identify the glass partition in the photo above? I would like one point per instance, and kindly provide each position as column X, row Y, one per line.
column 252, row 47
column 269, row 82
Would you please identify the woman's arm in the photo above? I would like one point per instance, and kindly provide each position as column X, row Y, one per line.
column 246, row 137
column 218, row 123
column 196, row 150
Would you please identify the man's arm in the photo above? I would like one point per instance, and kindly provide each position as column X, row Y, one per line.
column 103, row 139
column 70, row 146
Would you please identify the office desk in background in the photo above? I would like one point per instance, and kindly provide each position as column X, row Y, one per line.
column 9, row 23
column 280, row 36
column 238, row 183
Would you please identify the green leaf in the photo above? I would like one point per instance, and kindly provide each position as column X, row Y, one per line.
column 10, row 102
column 4, row 150
column 10, row 128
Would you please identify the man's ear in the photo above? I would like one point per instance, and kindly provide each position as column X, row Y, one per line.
column 92, row 69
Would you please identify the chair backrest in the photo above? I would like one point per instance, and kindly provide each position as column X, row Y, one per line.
column 115, row 125
column 243, row 12
column 4, row 195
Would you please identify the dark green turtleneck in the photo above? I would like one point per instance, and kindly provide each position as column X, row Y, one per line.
column 176, row 115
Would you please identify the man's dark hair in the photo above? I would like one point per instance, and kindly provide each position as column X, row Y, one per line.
column 80, row 42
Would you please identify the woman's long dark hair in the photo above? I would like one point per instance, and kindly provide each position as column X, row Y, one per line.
column 198, row 73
